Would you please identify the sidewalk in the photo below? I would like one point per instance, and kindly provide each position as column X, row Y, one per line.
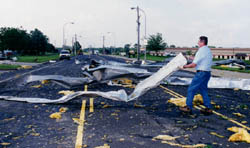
column 18, row 63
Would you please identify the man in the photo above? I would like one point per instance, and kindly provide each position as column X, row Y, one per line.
column 202, row 62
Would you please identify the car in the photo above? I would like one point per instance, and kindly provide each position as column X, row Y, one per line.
column 64, row 54
column 2, row 57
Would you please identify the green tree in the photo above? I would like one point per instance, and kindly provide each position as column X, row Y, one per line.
column 14, row 39
column 156, row 43
column 39, row 42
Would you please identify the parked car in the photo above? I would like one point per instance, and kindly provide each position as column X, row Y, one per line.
column 2, row 57
column 8, row 54
column 64, row 54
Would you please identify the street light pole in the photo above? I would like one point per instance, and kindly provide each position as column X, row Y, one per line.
column 138, row 33
column 103, row 44
column 64, row 33
column 138, row 30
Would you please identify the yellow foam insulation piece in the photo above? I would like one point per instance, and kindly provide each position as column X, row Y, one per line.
column 178, row 101
column 65, row 92
column 138, row 105
column 57, row 115
column 244, row 122
column 239, row 114
column 4, row 144
column 166, row 139
column 182, row 101
column 36, row 86
column 198, row 99
column 104, row 146
column 124, row 82
column 63, row 109
column 26, row 67
column 217, row 135
column 45, row 81
column 241, row 135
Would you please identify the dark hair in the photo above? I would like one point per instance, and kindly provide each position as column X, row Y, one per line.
column 204, row 39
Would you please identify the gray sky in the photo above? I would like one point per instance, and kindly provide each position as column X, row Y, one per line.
column 225, row 22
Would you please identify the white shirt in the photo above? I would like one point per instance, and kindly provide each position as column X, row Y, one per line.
column 203, row 59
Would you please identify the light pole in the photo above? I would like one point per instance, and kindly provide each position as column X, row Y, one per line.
column 138, row 31
column 64, row 32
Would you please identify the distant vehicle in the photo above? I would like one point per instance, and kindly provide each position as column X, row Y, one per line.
column 172, row 54
column 2, row 57
column 8, row 54
column 64, row 54
column 166, row 54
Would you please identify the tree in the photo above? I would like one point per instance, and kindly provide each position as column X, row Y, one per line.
column 126, row 48
column 14, row 39
column 172, row 46
column 33, row 43
column 156, row 43
column 39, row 42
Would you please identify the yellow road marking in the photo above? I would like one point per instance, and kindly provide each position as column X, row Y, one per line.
column 80, row 126
column 91, row 105
column 175, row 94
column 85, row 87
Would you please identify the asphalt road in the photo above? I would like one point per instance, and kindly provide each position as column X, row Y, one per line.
column 117, row 124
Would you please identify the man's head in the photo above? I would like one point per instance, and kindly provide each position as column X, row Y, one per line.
column 203, row 41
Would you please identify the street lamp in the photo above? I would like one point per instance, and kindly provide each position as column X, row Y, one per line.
column 64, row 32
column 138, row 30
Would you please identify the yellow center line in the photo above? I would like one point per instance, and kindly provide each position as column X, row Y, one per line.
column 91, row 105
column 175, row 94
column 79, row 136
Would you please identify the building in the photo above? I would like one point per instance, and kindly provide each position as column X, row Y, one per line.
column 218, row 53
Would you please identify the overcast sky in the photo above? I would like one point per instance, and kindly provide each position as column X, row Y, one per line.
column 225, row 22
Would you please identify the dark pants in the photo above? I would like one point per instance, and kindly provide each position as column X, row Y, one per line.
column 199, row 82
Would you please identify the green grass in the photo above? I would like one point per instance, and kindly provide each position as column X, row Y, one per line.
column 37, row 59
column 231, row 69
column 152, row 58
column 8, row 67
column 247, row 62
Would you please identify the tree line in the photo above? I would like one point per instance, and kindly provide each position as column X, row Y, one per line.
column 23, row 42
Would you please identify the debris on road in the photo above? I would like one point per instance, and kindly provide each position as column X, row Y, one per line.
column 120, row 95
column 57, row 115
column 241, row 135
column 166, row 139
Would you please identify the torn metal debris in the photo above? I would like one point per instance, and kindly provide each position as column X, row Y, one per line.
column 120, row 95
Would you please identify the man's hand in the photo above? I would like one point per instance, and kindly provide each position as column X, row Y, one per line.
column 181, row 67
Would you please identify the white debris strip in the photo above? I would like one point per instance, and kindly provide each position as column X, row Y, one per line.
column 120, row 95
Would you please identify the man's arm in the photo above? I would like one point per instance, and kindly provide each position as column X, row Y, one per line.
column 192, row 65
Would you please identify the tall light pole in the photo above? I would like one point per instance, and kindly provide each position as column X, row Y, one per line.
column 103, row 44
column 64, row 32
column 138, row 31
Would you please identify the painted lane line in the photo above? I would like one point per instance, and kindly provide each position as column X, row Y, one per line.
column 80, row 131
column 91, row 105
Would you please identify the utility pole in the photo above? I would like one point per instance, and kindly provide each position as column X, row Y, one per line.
column 103, row 44
column 75, row 43
column 138, row 35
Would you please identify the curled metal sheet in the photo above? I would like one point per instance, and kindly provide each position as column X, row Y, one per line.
column 145, row 85
column 67, row 82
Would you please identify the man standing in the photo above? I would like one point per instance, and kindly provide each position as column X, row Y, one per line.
column 202, row 62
